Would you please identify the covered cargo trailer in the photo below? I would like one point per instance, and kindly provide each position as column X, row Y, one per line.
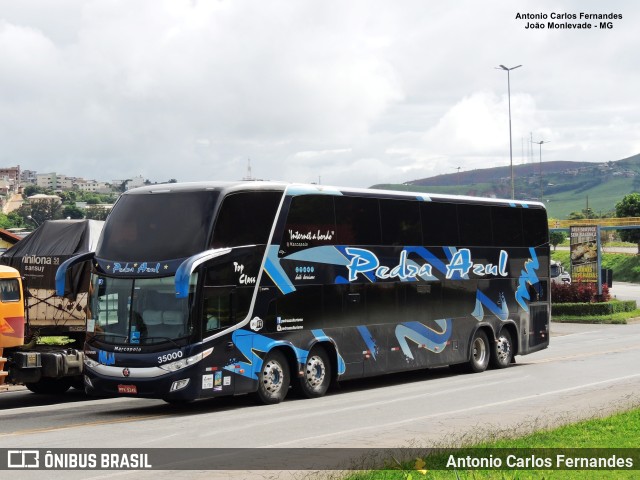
column 52, row 368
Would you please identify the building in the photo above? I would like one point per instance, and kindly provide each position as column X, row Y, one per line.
column 7, row 239
column 28, row 177
column 92, row 186
column 41, row 197
column 12, row 174
column 130, row 183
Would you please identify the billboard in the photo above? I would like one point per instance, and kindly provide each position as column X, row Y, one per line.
column 585, row 255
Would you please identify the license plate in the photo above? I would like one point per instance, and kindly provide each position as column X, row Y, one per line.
column 130, row 389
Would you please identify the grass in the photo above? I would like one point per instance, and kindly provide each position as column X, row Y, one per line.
column 619, row 431
column 601, row 198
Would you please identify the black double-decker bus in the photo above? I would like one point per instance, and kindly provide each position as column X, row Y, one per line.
column 209, row 289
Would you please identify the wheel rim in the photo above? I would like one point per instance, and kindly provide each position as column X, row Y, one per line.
column 479, row 351
column 272, row 375
column 503, row 349
column 314, row 372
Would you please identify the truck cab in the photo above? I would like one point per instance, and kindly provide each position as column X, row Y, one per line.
column 11, row 314
column 558, row 273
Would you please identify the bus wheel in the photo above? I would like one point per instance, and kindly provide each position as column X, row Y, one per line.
column 273, row 382
column 317, row 374
column 479, row 353
column 502, row 352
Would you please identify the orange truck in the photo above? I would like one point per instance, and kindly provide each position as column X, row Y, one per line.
column 11, row 314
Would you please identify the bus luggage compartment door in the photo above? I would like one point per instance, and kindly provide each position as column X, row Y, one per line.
column 538, row 325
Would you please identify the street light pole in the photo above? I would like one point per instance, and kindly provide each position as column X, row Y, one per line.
column 540, row 143
column 508, row 70
column 29, row 217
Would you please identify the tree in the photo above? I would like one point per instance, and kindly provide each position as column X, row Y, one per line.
column 95, row 212
column 32, row 190
column 556, row 238
column 576, row 216
column 41, row 210
column 629, row 206
column 68, row 197
column 72, row 211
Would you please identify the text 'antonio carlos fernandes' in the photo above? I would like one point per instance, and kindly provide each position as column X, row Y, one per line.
column 529, row 462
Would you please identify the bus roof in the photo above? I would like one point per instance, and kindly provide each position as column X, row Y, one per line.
column 311, row 189
column 8, row 272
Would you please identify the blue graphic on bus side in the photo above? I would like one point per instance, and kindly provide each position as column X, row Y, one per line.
column 501, row 312
column 368, row 340
column 423, row 336
column 249, row 343
column 528, row 276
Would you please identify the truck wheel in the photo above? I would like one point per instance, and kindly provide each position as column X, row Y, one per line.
column 274, row 378
column 502, row 351
column 317, row 374
column 50, row 386
column 479, row 353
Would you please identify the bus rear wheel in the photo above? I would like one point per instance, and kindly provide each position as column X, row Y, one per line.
column 479, row 353
column 316, row 376
column 274, row 378
column 502, row 351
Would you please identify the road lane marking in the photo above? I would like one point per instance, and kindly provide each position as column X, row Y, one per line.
column 581, row 355
column 84, row 424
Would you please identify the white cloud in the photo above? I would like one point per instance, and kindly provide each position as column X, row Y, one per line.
column 355, row 93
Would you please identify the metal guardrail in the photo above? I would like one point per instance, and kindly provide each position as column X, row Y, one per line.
column 605, row 223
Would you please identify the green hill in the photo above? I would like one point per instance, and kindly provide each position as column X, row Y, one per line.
column 565, row 187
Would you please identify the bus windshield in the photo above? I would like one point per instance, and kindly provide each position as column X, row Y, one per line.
column 158, row 226
column 138, row 311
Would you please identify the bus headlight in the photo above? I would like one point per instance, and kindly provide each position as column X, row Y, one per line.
column 185, row 362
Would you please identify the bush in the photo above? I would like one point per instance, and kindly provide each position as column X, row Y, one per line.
column 592, row 309
column 578, row 293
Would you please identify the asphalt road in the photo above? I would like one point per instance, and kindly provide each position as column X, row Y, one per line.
column 589, row 370
column 626, row 291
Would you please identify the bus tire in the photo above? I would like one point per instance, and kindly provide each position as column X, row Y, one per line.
column 480, row 353
column 502, row 351
column 49, row 386
column 274, row 378
column 316, row 376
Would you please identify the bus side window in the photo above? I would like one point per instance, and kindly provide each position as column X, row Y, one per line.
column 439, row 223
column 358, row 221
column 225, row 306
column 507, row 226
column 310, row 223
column 246, row 218
column 218, row 308
column 400, row 222
column 536, row 228
column 475, row 225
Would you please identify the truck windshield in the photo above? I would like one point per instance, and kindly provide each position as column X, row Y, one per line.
column 137, row 311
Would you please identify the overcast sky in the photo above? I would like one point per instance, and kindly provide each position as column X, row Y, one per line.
column 347, row 92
